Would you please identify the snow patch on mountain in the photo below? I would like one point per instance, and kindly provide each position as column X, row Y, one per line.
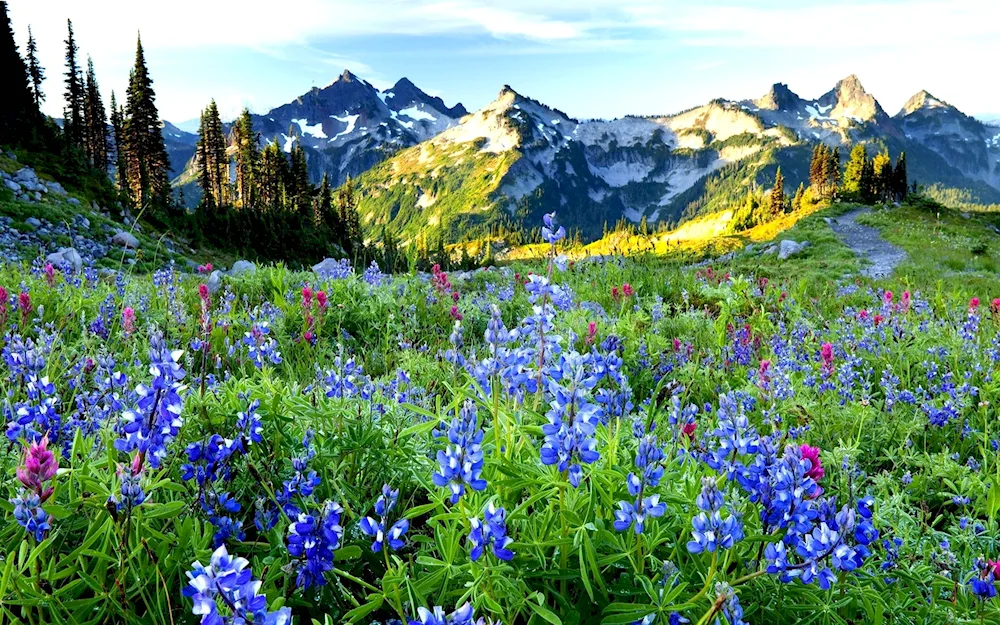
column 314, row 130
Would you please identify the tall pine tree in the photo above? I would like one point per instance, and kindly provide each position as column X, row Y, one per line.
column 118, row 136
column 73, row 123
column 213, row 160
column 36, row 73
column 146, row 163
column 95, row 121
column 881, row 177
column 899, row 182
column 247, row 142
column 855, row 180
column 778, row 194
column 18, row 114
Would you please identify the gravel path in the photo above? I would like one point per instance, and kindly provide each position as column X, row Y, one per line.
column 867, row 243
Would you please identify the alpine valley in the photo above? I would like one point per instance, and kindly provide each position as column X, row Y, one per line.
column 424, row 170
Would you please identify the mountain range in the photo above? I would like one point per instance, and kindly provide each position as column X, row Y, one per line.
column 423, row 169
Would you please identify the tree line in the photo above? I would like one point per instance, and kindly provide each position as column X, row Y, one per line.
column 254, row 197
column 863, row 179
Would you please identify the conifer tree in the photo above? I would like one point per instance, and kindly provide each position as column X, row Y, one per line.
column 212, row 158
column 834, row 174
column 300, row 191
column 797, row 199
column 816, row 167
column 95, row 122
column 348, row 213
column 273, row 172
column 18, row 113
column 866, row 184
column 118, row 137
column 73, row 123
column 882, row 175
column 855, row 180
column 247, row 143
column 36, row 73
column 778, row 194
column 900, row 184
column 145, row 153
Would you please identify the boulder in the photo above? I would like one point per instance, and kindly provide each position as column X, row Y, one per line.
column 241, row 267
column 26, row 174
column 214, row 281
column 33, row 221
column 789, row 248
column 66, row 255
column 13, row 186
column 326, row 266
column 74, row 201
column 125, row 239
column 55, row 187
column 83, row 221
column 770, row 249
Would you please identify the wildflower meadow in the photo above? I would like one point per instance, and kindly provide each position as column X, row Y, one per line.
column 607, row 441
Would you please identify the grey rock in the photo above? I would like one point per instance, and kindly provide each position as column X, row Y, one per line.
column 325, row 266
column 33, row 221
column 125, row 239
column 214, row 281
column 83, row 221
column 789, row 248
column 241, row 267
column 74, row 201
column 770, row 249
column 66, row 255
column 38, row 196
column 26, row 174
column 13, row 186
column 55, row 187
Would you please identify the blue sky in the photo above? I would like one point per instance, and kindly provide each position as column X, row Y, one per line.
column 599, row 58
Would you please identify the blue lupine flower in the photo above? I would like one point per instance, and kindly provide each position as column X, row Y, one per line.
column 228, row 579
column 313, row 539
column 385, row 503
column 710, row 531
column 732, row 611
column 29, row 514
column 461, row 462
column 648, row 459
column 549, row 232
column 464, row 615
column 156, row 420
column 492, row 531
column 573, row 419
column 982, row 583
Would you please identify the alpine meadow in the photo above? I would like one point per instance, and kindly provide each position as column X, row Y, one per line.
column 354, row 353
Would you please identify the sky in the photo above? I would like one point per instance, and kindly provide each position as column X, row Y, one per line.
column 588, row 58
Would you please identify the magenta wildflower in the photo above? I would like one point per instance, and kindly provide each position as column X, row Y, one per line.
column 39, row 466
column 816, row 471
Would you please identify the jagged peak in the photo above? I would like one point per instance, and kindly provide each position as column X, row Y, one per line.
column 780, row 97
column 923, row 99
column 347, row 76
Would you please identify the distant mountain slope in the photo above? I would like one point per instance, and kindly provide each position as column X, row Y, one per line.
column 517, row 158
column 346, row 127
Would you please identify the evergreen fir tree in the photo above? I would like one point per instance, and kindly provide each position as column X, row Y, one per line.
column 834, row 174
column 73, row 123
column 145, row 153
column 36, row 73
column 212, row 158
column 778, row 193
column 348, row 213
column 299, row 189
column 118, row 137
column 273, row 172
column 95, row 122
column 797, row 199
column 247, row 159
column 18, row 113
column 866, row 185
column 854, row 174
column 882, row 175
column 816, row 168
column 900, row 184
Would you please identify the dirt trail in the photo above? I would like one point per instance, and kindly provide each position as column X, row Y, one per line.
column 867, row 243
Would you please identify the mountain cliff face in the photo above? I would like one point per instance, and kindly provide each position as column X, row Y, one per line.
column 517, row 158
column 426, row 170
